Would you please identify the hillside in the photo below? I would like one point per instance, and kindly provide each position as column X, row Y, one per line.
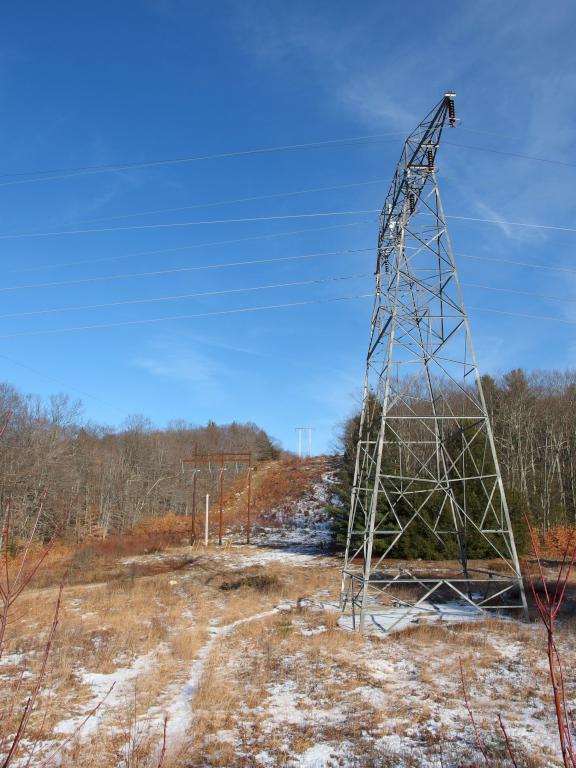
column 238, row 653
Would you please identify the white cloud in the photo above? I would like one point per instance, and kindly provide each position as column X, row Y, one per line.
column 172, row 360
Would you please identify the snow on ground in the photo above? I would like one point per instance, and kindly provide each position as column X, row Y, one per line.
column 108, row 691
column 305, row 525
column 180, row 706
column 404, row 694
column 381, row 619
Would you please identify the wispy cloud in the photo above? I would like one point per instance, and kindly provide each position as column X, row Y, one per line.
column 167, row 359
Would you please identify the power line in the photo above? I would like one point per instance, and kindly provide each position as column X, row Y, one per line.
column 237, row 200
column 253, row 219
column 178, row 270
column 179, row 224
column 516, row 263
column 179, row 297
column 244, row 310
column 512, row 223
column 246, row 289
column 250, row 262
column 518, row 155
column 152, row 320
column 138, row 254
column 517, row 292
column 60, row 383
column 64, row 173
column 524, row 315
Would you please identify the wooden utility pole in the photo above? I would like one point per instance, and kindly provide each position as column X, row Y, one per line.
column 193, row 520
column 221, row 500
column 222, row 458
column 249, row 504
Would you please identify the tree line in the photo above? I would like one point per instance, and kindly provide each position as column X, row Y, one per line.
column 93, row 479
column 533, row 417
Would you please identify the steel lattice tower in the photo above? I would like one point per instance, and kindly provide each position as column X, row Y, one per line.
column 425, row 459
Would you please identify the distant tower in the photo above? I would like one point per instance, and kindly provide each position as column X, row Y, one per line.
column 426, row 466
column 300, row 430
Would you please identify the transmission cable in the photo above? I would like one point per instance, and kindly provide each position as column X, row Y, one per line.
column 243, row 310
column 179, row 224
column 518, row 155
column 152, row 320
column 247, row 289
column 516, row 263
column 179, row 270
column 137, row 254
column 179, row 297
column 514, row 291
column 60, row 383
column 512, row 223
column 234, row 201
column 64, row 173
column 281, row 217
column 525, row 315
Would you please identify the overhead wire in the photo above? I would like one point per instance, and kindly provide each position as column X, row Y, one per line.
column 249, row 309
column 177, row 270
column 111, row 168
column 64, row 173
column 180, row 224
column 535, row 265
column 60, row 383
column 532, row 294
column 251, row 262
column 170, row 161
column 183, row 296
column 523, row 314
column 512, row 223
column 278, row 217
column 518, row 155
column 237, row 200
column 35, row 176
column 234, row 241
column 227, row 291
column 149, row 321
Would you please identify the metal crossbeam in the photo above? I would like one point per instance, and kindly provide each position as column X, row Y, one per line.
column 425, row 450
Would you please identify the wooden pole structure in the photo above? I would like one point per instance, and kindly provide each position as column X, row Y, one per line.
column 249, row 505
column 206, row 520
column 193, row 520
column 220, row 518
column 222, row 458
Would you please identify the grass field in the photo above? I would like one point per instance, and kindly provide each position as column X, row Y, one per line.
column 234, row 656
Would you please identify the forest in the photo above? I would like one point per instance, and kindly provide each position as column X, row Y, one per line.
column 533, row 416
column 92, row 480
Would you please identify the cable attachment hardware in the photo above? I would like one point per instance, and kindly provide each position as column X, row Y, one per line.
column 451, row 109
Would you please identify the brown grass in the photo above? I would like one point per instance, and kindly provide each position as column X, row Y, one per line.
column 340, row 687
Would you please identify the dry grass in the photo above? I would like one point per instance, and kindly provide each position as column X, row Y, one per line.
column 280, row 683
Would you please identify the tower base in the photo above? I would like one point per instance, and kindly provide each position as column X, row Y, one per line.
column 399, row 597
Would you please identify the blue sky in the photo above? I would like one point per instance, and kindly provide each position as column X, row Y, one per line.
column 88, row 83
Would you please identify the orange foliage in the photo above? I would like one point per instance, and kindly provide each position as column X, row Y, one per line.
column 555, row 542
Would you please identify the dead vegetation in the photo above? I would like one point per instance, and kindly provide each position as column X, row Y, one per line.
column 249, row 667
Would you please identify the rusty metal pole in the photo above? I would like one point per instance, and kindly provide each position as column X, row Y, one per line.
column 193, row 521
column 249, row 505
column 220, row 521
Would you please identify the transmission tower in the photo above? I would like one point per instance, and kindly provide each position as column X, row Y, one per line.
column 426, row 467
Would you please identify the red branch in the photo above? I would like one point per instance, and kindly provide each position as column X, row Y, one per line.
column 479, row 741
column 507, row 740
column 548, row 608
